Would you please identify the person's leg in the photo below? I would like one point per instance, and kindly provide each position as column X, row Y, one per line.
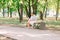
column 28, row 25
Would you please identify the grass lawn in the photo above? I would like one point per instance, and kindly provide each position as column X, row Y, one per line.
column 53, row 24
column 15, row 21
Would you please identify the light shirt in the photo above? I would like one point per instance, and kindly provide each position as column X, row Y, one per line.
column 32, row 19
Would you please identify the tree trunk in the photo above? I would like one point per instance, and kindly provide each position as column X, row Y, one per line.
column 41, row 15
column 44, row 8
column 46, row 13
column 29, row 15
column 10, row 14
column 43, row 11
column 46, row 4
column 57, row 10
column 21, row 13
column 18, row 10
column 3, row 13
column 3, row 7
column 34, row 6
column 8, row 10
column 26, row 8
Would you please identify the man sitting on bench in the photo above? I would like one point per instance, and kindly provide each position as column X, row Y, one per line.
column 31, row 20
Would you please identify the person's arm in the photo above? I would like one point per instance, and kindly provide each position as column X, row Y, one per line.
column 30, row 19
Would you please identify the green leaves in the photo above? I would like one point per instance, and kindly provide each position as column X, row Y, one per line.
column 14, row 0
column 41, row 3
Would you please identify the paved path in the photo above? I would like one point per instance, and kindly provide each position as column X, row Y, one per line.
column 29, row 34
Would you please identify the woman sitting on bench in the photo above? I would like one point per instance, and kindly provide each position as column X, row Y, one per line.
column 31, row 20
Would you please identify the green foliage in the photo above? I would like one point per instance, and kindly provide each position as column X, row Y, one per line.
column 9, row 21
column 41, row 5
column 53, row 22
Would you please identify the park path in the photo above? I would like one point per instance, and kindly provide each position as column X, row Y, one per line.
column 29, row 34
